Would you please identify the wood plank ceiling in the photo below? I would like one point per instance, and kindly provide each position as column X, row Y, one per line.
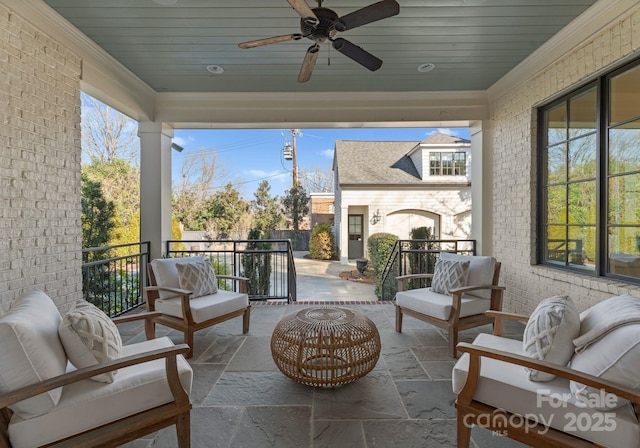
column 472, row 43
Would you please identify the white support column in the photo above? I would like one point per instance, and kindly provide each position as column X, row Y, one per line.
column 155, row 185
column 344, row 235
column 482, row 186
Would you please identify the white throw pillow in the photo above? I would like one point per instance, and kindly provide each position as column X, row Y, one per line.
column 549, row 334
column 166, row 273
column 30, row 351
column 614, row 357
column 90, row 337
column 481, row 270
column 448, row 275
column 198, row 277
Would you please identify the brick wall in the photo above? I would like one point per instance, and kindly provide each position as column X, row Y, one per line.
column 40, row 234
column 321, row 210
column 514, row 125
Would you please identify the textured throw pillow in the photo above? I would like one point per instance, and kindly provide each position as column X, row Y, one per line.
column 481, row 270
column 90, row 337
column 197, row 277
column 549, row 334
column 448, row 275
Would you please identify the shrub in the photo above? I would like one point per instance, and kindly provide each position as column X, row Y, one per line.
column 380, row 246
column 321, row 245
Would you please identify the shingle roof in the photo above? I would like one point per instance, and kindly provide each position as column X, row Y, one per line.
column 438, row 138
column 375, row 162
column 382, row 162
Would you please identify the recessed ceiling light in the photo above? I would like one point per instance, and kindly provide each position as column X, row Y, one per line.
column 426, row 67
column 165, row 2
column 215, row 69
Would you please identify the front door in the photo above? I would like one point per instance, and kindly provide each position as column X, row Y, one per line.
column 356, row 242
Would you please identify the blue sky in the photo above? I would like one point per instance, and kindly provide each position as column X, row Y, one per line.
column 248, row 156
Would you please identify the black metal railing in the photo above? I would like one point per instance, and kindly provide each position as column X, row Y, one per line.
column 268, row 264
column 417, row 257
column 565, row 251
column 113, row 277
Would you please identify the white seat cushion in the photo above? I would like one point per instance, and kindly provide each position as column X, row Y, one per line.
column 30, row 350
column 87, row 404
column 425, row 301
column 506, row 386
column 205, row 307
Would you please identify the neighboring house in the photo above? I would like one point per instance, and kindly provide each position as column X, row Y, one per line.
column 397, row 186
column 321, row 208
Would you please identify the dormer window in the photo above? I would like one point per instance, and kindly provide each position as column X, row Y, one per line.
column 447, row 163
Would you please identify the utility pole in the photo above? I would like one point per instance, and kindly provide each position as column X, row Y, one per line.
column 294, row 132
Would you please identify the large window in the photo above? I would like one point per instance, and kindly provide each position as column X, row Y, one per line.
column 447, row 163
column 590, row 177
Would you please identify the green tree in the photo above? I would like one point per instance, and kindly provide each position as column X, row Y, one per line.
column 421, row 262
column 257, row 265
column 98, row 214
column 120, row 183
column 189, row 210
column 226, row 208
column 266, row 209
column 296, row 205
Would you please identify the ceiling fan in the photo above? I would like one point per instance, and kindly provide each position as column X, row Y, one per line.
column 322, row 24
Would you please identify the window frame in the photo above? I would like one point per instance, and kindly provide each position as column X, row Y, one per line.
column 452, row 166
column 603, row 111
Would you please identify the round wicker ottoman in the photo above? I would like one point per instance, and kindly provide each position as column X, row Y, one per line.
column 325, row 347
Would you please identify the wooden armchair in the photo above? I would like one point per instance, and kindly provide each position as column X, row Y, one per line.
column 463, row 308
column 150, row 390
column 179, row 310
column 494, row 392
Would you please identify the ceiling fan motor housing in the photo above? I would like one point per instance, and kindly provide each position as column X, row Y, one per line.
column 326, row 27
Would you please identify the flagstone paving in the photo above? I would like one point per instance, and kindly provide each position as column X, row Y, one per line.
column 240, row 398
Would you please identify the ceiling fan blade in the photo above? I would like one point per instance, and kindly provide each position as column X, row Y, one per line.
column 309, row 63
column 358, row 54
column 305, row 12
column 270, row 40
column 368, row 14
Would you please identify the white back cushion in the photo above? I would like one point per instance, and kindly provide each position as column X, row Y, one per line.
column 166, row 272
column 615, row 357
column 481, row 270
column 31, row 351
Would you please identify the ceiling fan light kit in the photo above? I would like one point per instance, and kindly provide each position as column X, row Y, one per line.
column 322, row 25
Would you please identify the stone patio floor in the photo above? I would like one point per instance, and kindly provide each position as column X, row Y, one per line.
column 240, row 398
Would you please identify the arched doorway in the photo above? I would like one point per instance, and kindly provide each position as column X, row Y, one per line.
column 400, row 222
